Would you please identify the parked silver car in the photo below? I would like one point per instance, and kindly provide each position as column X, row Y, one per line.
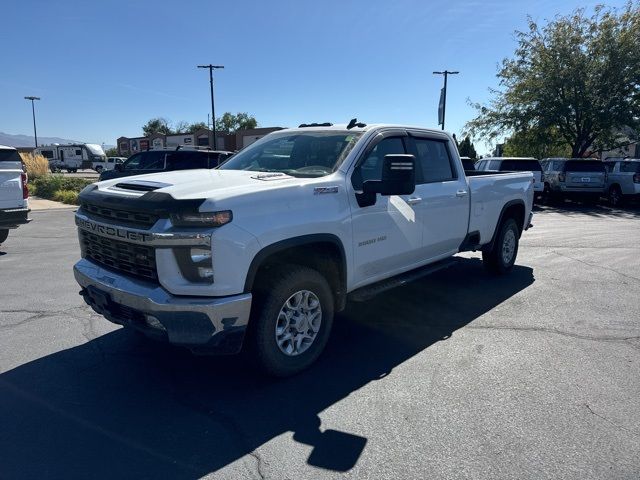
column 623, row 180
column 576, row 178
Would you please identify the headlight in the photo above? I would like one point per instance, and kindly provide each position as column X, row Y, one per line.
column 201, row 219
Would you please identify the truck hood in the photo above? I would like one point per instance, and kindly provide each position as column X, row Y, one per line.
column 194, row 184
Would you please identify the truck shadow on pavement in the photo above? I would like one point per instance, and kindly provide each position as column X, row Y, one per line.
column 120, row 406
column 568, row 208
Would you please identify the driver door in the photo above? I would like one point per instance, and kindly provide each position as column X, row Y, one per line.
column 387, row 236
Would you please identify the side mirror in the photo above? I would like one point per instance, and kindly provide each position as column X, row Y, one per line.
column 398, row 176
column 118, row 167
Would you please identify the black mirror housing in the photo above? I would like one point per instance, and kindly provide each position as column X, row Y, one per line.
column 118, row 167
column 398, row 176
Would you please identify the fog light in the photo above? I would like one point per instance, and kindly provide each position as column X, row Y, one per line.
column 206, row 273
column 201, row 255
column 153, row 322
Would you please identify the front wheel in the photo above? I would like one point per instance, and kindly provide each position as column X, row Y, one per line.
column 502, row 256
column 3, row 235
column 291, row 320
column 99, row 169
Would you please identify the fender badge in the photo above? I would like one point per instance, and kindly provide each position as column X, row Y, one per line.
column 323, row 190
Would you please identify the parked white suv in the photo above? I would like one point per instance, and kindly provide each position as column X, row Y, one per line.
column 273, row 242
column 623, row 180
column 14, row 194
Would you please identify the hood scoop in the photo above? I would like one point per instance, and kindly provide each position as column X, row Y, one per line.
column 140, row 186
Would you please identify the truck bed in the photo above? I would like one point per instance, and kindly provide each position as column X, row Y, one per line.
column 490, row 192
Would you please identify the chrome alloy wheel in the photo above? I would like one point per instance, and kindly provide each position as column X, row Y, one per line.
column 298, row 323
column 508, row 246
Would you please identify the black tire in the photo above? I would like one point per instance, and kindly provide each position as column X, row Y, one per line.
column 3, row 235
column 99, row 169
column 269, row 298
column 615, row 196
column 546, row 195
column 494, row 260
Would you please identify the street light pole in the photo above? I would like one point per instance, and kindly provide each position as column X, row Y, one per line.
column 213, row 110
column 33, row 111
column 446, row 73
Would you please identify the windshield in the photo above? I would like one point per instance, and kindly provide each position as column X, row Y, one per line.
column 299, row 154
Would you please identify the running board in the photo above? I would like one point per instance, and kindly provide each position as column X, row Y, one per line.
column 365, row 293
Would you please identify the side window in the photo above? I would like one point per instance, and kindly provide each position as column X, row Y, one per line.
column 433, row 161
column 133, row 162
column 78, row 152
column 371, row 167
column 186, row 160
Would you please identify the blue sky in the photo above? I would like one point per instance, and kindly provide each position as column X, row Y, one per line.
column 104, row 68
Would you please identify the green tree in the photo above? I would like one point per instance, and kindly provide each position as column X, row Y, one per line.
column 577, row 74
column 181, row 127
column 466, row 148
column 230, row 123
column 536, row 143
column 111, row 152
column 157, row 125
column 194, row 127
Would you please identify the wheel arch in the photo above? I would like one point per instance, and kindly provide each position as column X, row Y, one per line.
column 323, row 252
column 513, row 209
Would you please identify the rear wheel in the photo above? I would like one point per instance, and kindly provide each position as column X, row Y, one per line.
column 99, row 169
column 615, row 196
column 291, row 320
column 3, row 235
column 502, row 256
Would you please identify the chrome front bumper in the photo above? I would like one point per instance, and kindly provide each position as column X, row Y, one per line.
column 202, row 324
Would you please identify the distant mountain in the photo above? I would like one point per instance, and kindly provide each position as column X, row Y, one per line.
column 27, row 140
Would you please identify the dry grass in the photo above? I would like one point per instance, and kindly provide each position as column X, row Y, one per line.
column 37, row 166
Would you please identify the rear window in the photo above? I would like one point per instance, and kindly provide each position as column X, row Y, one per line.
column 9, row 156
column 630, row 167
column 521, row 166
column 584, row 166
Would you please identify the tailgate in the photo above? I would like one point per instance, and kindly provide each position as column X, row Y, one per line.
column 585, row 179
column 10, row 189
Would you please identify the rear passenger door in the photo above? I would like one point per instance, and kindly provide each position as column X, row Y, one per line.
column 444, row 192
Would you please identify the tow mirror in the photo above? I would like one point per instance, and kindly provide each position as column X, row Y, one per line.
column 398, row 176
column 118, row 167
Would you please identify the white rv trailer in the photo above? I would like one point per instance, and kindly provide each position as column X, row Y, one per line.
column 72, row 157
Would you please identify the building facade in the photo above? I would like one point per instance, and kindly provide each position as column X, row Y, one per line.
column 202, row 138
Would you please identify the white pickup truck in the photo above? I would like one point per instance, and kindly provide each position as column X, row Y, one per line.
column 262, row 251
column 14, row 193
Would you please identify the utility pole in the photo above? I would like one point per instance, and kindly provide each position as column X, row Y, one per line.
column 213, row 110
column 33, row 111
column 442, row 107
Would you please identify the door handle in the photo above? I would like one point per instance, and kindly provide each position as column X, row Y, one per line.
column 461, row 193
column 413, row 200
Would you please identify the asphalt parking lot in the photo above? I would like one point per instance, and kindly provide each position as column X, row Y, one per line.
column 459, row 375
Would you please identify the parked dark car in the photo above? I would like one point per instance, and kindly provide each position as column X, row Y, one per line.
column 163, row 160
column 468, row 164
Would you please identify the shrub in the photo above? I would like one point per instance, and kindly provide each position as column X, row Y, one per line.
column 66, row 196
column 47, row 186
column 37, row 166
